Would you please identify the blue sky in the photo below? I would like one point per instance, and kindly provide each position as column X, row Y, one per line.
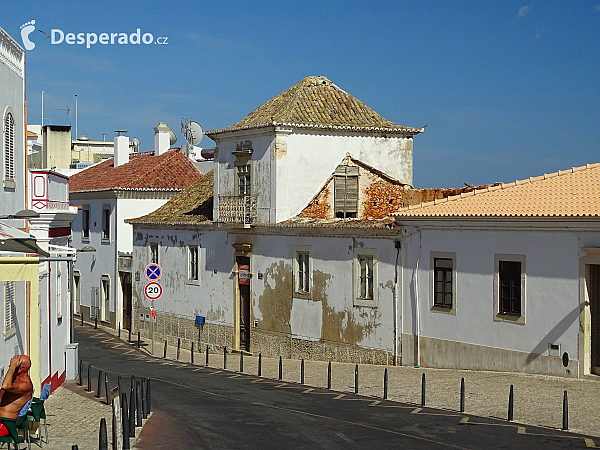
column 508, row 89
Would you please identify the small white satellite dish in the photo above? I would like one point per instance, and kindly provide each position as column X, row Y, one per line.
column 172, row 137
column 136, row 144
column 192, row 131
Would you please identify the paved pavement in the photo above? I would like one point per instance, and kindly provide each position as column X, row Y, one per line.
column 230, row 408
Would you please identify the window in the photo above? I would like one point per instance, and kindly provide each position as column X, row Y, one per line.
column 509, row 288
column 154, row 253
column 105, row 293
column 193, row 263
column 442, row 288
column 509, row 273
column 85, row 223
column 243, row 175
column 77, row 291
column 9, row 147
column 365, row 276
column 105, row 223
column 10, row 312
column 345, row 186
column 302, row 270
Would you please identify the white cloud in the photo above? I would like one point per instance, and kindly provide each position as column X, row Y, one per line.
column 523, row 11
column 538, row 33
column 597, row 8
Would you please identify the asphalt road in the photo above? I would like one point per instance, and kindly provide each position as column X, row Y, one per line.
column 195, row 407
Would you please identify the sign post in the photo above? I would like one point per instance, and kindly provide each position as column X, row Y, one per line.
column 153, row 291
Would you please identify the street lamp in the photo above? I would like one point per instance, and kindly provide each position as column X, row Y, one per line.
column 23, row 214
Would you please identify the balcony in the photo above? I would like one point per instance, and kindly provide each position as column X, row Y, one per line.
column 237, row 209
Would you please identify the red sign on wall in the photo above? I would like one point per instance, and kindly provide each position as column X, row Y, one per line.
column 244, row 274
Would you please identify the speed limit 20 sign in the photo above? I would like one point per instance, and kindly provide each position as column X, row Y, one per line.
column 153, row 290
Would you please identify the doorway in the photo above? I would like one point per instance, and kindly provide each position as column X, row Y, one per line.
column 594, row 296
column 243, row 288
column 126, row 286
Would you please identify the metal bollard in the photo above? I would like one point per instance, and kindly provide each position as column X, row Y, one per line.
column 133, row 381
column 103, row 437
column 206, row 356
column 99, row 384
column 510, row 403
column 329, row 375
column 462, row 395
column 119, row 330
column 89, row 386
column 356, row 379
column 96, row 323
column 131, row 416
column 138, row 342
column 260, row 364
column 302, row 371
column 129, row 338
column 80, row 382
column 106, row 389
column 241, row 362
column 143, row 385
column 565, row 425
column 74, row 447
column 280, row 368
column 385, row 383
column 178, row 347
column 81, row 319
column 225, row 358
column 148, row 396
column 192, row 353
column 423, row 390
column 165, row 350
column 119, row 384
column 125, row 419
column 138, row 404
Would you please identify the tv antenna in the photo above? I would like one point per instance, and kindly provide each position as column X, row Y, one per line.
column 192, row 131
column 68, row 110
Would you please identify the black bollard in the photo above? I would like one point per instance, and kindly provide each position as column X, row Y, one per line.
column 385, row 383
column 565, row 412
column 131, row 416
column 260, row 364
column 99, row 384
column 423, row 390
column 462, row 395
column 132, row 381
column 165, row 350
column 178, row 347
column 225, row 358
column 74, row 447
column 356, row 379
column 80, row 382
column 119, row 384
column 510, row 403
column 206, row 356
column 192, row 353
column 144, row 410
column 106, row 389
column 125, row 420
column 129, row 338
column 119, row 330
column 81, row 319
column 329, row 375
column 96, row 323
column 89, row 386
column 302, row 371
column 103, row 437
column 138, row 404
column 241, row 362
column 148, row 396
column 138, row 342
column 280, row 368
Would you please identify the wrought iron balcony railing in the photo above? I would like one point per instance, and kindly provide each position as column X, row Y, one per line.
column 237, row 209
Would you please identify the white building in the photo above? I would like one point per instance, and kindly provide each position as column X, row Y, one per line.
column 108, row 194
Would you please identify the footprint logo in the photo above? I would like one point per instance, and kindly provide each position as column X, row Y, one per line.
column 26, row 29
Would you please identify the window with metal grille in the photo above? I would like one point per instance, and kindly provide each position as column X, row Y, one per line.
column 105, row 292
column 154, row 253
column 442, row 282
column 193, row 262
column 365, row 264
column 85, row 224
column 303, row 272
column 105, row 223
column 509, row 273
column 345, row 186
column 10, row 312
column 9, row 147
column 244, row 180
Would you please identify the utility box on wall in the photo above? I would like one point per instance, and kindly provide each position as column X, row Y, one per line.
column 72, row 359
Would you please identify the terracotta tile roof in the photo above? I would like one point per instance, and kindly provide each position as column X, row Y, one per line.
column 568, row 193
column 193, row 205
column 31, row 134
column 302, row 222
column 317, row 103
column 171, row 171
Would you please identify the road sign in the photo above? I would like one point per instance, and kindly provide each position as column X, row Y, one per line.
column 153, row 272
column 244, row 275
column 153, row 290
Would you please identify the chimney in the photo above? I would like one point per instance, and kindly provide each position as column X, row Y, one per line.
column 121, row 148
column 162, row 139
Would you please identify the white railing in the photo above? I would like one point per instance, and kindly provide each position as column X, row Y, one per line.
column 237, row 209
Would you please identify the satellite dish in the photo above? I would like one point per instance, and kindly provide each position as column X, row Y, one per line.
column 136, row 143
column 192, row 131
column 172, row 137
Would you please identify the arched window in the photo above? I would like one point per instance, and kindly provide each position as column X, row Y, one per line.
column 9, row 147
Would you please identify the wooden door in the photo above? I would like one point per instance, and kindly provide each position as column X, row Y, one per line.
column 243, row 264
column 594, row 295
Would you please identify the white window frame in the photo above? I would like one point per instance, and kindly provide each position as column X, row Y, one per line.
column 10, row 308
column 432, row 306
column 304, row 250
column 150, row 259
column 84, row 209
column 358, row 255
column 77, row 291
column 8, row 149
column 189, row 250
column 104, row 302
column 504, row 317
column 106, row 208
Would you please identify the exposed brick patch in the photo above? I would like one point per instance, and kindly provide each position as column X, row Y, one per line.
column 320, row 206
column 382, row 198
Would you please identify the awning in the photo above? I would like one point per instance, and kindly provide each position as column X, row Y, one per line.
column 15, row 240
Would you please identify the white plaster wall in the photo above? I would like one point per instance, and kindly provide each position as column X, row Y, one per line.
column 130, row 208
column 552, row 288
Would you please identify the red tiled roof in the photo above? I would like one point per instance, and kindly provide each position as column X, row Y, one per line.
column 170, row 171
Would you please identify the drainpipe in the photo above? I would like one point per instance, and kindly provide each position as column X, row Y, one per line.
column 398, row 245
column 418, row 330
